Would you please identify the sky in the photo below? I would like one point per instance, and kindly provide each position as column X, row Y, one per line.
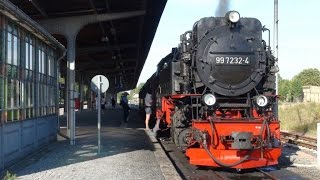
column 299, row 27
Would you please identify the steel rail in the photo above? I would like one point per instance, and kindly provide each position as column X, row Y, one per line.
column 267, row 174
column 304, row 141
column 297, row 136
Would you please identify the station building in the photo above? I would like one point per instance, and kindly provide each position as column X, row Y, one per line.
column 28, row 84
column 42, row 41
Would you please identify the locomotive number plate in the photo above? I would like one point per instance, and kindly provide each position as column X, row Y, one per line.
column 231, row 60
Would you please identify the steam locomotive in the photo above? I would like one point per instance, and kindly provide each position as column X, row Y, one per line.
column 216, row 94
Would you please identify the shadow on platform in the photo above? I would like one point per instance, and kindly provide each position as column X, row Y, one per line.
column 117, row 144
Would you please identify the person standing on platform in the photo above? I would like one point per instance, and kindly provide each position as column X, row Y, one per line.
column 113, row 102
column 148, row 104
column 125, row 106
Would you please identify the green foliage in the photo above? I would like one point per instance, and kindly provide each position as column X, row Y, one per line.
column 291, row 90
column 135, row 91
column 118, row 97
column 132, row 92
column 309, row 77
column 62, row 80
column 284, row 89
column 296, row 89
column 9, row 176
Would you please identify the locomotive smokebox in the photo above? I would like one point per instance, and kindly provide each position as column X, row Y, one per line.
column 229, row 59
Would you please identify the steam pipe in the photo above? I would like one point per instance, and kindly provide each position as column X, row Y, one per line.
column 266, row 29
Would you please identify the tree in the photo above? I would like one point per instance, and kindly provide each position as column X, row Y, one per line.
column 309, row 77
column 137, row 89
column 132, row 92
column 284, row 88
column 290, row 90
column 296, row 89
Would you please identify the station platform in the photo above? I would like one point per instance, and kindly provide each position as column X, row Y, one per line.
column 127, row 152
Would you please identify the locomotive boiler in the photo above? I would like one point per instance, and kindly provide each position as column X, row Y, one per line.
column 216, row 94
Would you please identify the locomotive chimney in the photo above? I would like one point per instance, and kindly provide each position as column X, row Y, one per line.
column 223, row 7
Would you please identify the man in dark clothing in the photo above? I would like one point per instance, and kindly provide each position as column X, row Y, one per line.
column 125, row 106
column 113, row 102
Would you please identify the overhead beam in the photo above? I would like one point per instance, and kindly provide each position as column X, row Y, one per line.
column 62, row 25
column 69, row 13
column 36, row 4
column 127, row 75
column 106, row 71
column 106, row 61
column 111, row 76
column 97, row 49
column 99, row 64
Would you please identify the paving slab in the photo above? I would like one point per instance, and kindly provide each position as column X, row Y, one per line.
column 127, row 152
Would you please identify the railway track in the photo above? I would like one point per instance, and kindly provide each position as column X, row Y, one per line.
column 297, row 139
column 192, row 172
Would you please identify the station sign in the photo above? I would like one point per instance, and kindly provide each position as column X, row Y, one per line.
column 99, row 82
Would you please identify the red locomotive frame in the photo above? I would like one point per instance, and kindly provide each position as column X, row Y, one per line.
column 220, row 149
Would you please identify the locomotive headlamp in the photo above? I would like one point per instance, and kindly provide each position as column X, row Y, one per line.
column 209, row 99
column 261, row 100
column 233, row 16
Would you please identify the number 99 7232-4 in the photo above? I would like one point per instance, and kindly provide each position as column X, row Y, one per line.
column 226, row 60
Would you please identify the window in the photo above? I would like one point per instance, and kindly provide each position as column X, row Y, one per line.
column 15, row 50
column 28, row 95
column 9, row 48
column 27, row 60
column 1, row 94
column 27, row 75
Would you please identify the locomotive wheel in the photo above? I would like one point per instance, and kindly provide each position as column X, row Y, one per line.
column 173, row 133
column 178, row 137
column 182, row 138
column 178, row 131
column 175, row 123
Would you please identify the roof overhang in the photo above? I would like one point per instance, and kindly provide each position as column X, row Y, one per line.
column 116, row 48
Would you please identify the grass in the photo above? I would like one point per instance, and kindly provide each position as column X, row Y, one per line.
column 300, row 117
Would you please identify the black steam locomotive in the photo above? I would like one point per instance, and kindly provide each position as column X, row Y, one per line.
column 216, row 93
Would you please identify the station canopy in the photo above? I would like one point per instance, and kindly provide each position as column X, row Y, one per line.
column 117, row 48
